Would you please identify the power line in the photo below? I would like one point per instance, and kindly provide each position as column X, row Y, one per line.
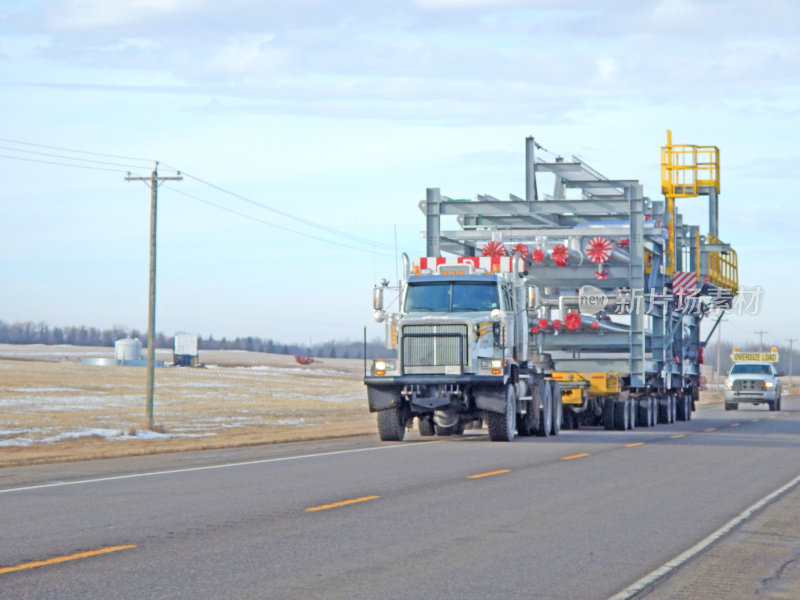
column 89, row 160
column 287, row 215
column 309, row 223
column 273, row 225
column 9, row 141
column 60, row 164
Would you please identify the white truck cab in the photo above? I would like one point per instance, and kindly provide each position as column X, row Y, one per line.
column 753, row 379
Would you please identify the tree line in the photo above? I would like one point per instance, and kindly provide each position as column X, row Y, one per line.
column 42, row 333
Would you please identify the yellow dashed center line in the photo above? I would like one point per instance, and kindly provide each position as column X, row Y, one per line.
column 733, row 425
column 634, row 444
column 680, row 435
column 710, row 429
column 576, row 456
column 342, row 503
column 61, row 559
column 489, row 474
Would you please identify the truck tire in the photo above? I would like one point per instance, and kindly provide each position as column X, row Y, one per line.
column 558, row 408
column 526, row 426
column 608, row 413
column 684, row 408
column 621, row 415
column 546, row 411
column 456, row 429
column 426, row 426
column 731, row 406
column 773, row 406
column 644, row 412
column 631, row 413
column 666, row 409
column 502, row 427
column 391, row 427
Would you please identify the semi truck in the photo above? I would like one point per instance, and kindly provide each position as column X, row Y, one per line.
column 577, row 308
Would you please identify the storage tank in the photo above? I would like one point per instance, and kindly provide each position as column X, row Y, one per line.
column 127, row 350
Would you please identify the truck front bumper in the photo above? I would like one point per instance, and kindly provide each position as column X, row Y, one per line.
column 750, row 397
column 384, row 391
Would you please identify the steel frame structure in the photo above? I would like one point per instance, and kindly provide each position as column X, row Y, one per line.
column 654, row 346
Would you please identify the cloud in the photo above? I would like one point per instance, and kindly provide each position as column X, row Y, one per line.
column 606, row 67
column 499, row 61
column 81, row 15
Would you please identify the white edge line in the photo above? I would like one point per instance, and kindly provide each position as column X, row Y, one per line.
column 687, row 555
column 209, row 467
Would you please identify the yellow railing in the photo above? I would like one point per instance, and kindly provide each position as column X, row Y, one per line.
column 685, row 168
column 723, row 269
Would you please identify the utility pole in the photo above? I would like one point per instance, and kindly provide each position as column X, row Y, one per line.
column 152, row 182
column 719, row 343
column 791, row 355
column 761, row 333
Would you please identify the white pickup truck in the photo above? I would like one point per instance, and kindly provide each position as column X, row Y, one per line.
column 753, row 381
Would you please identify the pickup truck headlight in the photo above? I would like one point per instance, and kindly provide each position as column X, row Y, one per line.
column 728, row 384
column 769, row 384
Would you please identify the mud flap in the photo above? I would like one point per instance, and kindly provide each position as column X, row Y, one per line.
column 491, row 399
column 382, row 398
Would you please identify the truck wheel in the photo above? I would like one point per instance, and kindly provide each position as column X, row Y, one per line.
column 608, row 413
column 666, row 407
column 426, row 427
column 456, row 429
column 621, row 415
column 526, row 426
column 643, row 412
column 773, row 406
column 631, row 402
column 684, row 407
column 546, row 412
column 502, row 427
column 558, row 408
column 391, row 427
column 731, row 406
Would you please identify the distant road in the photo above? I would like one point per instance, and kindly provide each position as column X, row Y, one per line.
column 580, row 516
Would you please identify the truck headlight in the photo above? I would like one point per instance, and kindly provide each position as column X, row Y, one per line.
column 728, row 384
column 769, row 385
column 495, row 365
column 379, row 367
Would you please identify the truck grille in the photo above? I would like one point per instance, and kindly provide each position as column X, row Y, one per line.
column 434, row 345
column 749, row 385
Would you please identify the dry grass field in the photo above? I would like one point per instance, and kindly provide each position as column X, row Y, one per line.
column 54, row 408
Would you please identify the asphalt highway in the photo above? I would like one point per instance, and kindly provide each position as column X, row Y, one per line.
column 583, row 515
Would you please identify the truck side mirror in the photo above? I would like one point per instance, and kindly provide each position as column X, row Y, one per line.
column 377, row 298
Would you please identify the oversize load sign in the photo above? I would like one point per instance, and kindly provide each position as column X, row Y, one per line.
column 755, row 357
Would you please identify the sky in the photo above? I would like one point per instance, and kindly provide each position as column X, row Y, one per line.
column 307, row 131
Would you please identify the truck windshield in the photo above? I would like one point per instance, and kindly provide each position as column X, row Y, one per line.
column 449, row 296
column 751, row 370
